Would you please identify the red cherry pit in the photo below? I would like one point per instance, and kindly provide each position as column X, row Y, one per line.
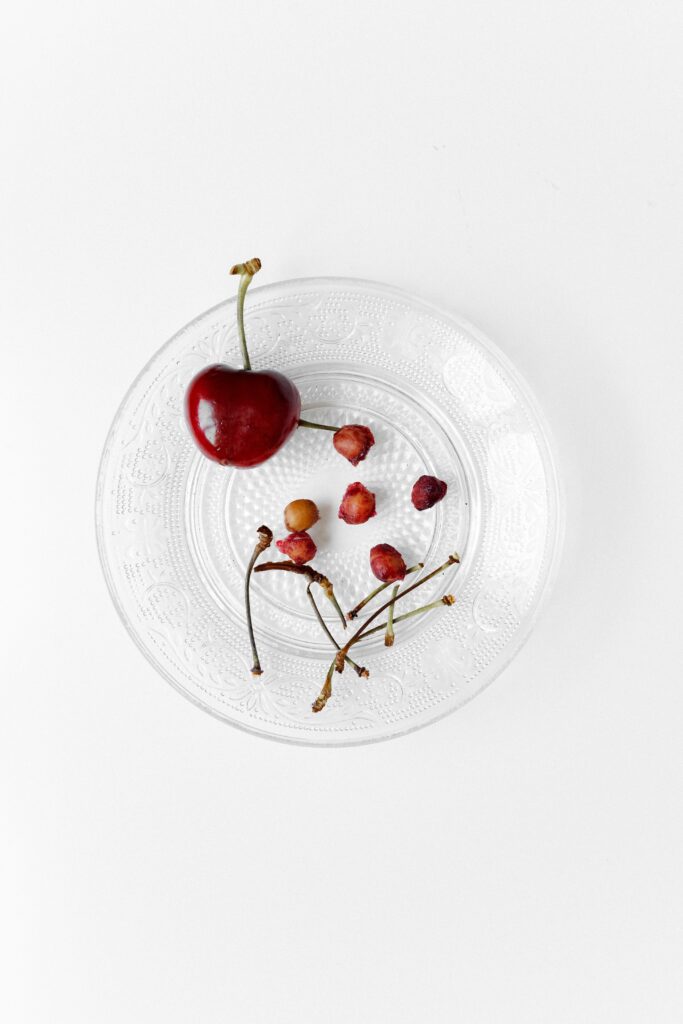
column 427, row 491
column 243, row 417
column 299, row 547
column 357, row 505
column 353, row 441
column 387, row 563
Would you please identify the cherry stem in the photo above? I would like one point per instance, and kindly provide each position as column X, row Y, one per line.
column 265, row 536
column 317, row 426
column 358, row 668
column 246, row 272
column 378, row 590
column 326, row 692
column 389, row 635
column 446, row 600
column 313, row 575
column 341, row 654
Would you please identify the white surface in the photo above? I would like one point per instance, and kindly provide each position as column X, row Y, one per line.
column 520, row 861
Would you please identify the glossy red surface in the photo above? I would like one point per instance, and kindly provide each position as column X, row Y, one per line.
column 241, row 417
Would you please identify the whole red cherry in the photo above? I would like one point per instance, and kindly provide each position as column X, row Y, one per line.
column 241, row 417
column 353, row 441
column 298, row 547
column 427, row 490
column 357, row 505
column 387, row 563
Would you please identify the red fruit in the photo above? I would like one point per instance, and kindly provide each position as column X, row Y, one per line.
column 427, row 491
column 357, row 505
column 241, row 417
column 387, row 563
column 353, row 442
column 298, row 547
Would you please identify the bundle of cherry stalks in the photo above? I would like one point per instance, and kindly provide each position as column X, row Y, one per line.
column 387, row 565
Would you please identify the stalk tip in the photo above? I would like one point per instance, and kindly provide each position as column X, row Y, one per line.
column 250, row 267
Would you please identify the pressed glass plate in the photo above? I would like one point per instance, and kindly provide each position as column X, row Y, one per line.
column 175, row 531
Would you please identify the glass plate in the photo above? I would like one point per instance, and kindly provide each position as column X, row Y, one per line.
column 175, row 531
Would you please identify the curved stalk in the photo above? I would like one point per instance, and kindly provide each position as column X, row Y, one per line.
column 246, row 272
column 389, row 635
column 447, row 600
column 342, row 653
column 359, row 670
column 317, row 426
column 378, row 590
column 326, row 692
column 265, row 536
column 313, row 575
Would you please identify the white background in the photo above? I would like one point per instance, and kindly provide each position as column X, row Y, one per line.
column 517, row 162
